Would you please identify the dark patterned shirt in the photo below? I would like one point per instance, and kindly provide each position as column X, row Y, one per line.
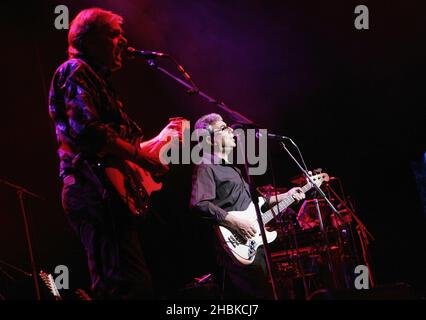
column 86, row 113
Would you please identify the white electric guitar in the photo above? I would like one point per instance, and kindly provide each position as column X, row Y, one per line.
column 243, row 250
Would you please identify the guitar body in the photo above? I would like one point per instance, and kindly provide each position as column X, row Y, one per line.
column 244, row 251
column 241, row 250
column 133, row 184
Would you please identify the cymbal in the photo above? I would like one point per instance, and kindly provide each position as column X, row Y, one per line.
column 301, row 179
column 269, row 190
column 308, row 214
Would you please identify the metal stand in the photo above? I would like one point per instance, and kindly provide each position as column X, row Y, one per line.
column 8, row 275
column 193, row 89
column 14, row 268
column 266, row 250
column 20, row 192
column 292, row 237
column 327, row 243
column 322, row 194
column 363, row 235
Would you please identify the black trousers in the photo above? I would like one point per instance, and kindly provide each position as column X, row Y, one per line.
column 243, row 282
column 109, row 234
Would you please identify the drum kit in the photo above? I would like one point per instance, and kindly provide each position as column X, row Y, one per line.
column 312, row 252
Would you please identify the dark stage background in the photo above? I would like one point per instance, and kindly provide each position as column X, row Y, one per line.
column 353, row 100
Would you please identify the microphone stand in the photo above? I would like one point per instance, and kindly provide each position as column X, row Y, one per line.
column 323, row 195
column 240, row 119
column 20, row 191
column 8, row 275
column 292, row 236
column 363, row 234
column 193, row 89
column 266, row 250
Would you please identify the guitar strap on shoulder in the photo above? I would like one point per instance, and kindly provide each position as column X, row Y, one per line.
column 246, row 187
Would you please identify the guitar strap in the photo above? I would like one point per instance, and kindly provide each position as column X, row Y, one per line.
column 246, row 186
column 266, row 205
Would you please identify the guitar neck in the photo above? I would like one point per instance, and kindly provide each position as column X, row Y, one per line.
column 284, row 204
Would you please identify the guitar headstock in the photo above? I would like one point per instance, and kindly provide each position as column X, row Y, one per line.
column 50, row 284
column 319, row 178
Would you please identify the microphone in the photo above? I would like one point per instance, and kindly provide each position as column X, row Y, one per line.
column 272, row 136
column 259, row 134
column 277, row 137
column 132, row 52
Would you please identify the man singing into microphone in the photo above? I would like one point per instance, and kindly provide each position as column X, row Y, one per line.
column 218, row 189
column 93, row 131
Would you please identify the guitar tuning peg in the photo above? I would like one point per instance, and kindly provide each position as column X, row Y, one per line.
column 318, row 170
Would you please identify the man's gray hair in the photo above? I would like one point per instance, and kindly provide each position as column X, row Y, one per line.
column 206, row 122
column 87, row 24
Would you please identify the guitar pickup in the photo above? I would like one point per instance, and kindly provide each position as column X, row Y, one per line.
column 233, row 241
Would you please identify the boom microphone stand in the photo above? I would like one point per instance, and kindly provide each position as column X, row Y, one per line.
column 8, row 276
column 20, row 191
column 291, row 231
column 234, row 116
column 266, row 250
column 363, row 234
column 323, row 195
column 13, row 268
